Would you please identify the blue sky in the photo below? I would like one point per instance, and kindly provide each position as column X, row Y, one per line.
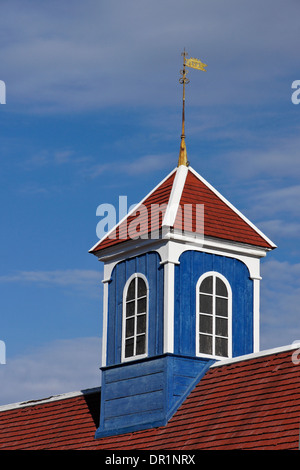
column 93, row 111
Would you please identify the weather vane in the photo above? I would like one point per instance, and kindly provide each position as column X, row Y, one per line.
column 195, row 64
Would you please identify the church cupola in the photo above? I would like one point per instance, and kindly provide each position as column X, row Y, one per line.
column 181, row 290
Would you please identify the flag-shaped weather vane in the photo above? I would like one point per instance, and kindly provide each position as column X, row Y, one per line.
column 195, row 64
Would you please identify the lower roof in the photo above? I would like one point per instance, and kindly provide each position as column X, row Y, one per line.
column 250, row 402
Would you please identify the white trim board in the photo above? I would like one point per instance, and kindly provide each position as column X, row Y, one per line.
column 175, row 196
column 267, row 352
column 63, row 396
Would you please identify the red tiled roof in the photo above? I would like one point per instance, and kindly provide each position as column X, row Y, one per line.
column 123, row 232
column 221, row 219
column 250, row 403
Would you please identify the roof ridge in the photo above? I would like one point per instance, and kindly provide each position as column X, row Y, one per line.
column 50, row 399
column 175, row 196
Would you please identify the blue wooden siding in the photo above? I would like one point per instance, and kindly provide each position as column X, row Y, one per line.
column 147, row 264
column 192, row 265
column 146, row 393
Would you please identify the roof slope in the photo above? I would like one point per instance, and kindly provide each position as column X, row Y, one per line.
column 185, row 188
column 126, row 229
column 249, row 403
column 221, row 219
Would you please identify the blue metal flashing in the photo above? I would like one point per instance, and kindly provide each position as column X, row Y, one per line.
column 189, row 389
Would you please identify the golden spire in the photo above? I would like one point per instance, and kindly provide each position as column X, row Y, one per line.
column 183, row 80
column 196, row 64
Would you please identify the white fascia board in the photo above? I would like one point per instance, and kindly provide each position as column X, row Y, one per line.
column 175, row 196
column 63, row 396
column 219, row 244
column 128, row 249
column 232, row 207
column 267, row 352
column 250, row 255
column 132, row 211
column 176, row 249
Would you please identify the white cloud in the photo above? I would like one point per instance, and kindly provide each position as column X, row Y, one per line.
column 137, row 166
column 276, row 228
column 278, row 159
column 280, row 307
column 67, row 277
column 148, row 163
column 61, row 366
column 81, row 281
column 276, row 211
column 280, row 200
column 45, row 158
column 98, row 54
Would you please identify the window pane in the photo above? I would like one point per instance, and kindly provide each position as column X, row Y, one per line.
column 207, row 285
column 205, row 324
column 205, row 303
column 221, row 289
column 130, row 309
column 129, row 347
column 221, row 347
column 221, row 306
column 205, row 345
column 141, row 324
column 142, row 289
column 141, row 305
column 135, row 329
column 221, row 327
column 129, row 327
column 140, row 344
column 131, row 290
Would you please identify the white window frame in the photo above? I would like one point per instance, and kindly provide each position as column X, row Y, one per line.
column 139, row 356
column 215, row 274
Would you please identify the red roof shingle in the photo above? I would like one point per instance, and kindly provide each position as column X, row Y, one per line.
column 221, row 219
column 249, row 403
column 122, row 231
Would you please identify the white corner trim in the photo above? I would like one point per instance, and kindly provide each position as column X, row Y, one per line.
column 256, row 313
column 169, row 277
column 132, row 210
column 232, row 207
column 175, row 196
column 104, row 322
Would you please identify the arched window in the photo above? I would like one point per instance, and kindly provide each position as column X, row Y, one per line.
column 213, row 323
column 135, row 317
